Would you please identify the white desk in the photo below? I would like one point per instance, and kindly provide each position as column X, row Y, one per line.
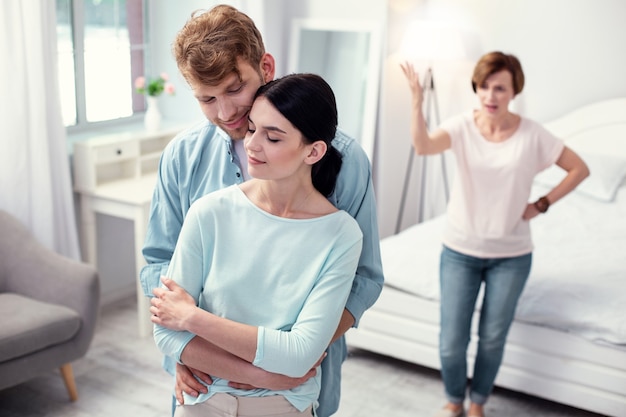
column 126, row 199
column 115, row 175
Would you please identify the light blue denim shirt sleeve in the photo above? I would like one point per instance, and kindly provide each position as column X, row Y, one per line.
column 198, row 161
column 354, row 193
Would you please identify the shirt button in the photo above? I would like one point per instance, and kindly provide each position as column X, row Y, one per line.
column 238, row 175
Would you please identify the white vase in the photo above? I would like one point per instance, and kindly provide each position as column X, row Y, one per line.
column 152, row 118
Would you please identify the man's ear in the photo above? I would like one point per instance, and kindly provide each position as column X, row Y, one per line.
column 268, row 67
column 317, row 152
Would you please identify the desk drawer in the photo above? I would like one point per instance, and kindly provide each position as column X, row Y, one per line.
column 116, row 151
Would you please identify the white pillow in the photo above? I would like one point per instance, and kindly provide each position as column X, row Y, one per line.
column 606, row 176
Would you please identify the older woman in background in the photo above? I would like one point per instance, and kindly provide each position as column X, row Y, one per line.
column 487, row 237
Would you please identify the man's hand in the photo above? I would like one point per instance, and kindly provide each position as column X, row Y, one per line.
column 185, row 381
column 278, row 382
column 170, row 307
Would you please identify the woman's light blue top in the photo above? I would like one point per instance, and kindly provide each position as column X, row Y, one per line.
column 289, row 277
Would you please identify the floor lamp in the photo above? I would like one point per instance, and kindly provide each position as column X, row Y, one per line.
column 428, row 41
column 431, row 108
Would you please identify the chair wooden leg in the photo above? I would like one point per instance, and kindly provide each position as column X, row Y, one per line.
column 68, row 379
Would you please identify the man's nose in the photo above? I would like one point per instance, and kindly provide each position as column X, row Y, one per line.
column 226, row 110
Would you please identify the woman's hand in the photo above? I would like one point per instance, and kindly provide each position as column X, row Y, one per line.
column 171, row 307
column 530, row 212
column 414, row 83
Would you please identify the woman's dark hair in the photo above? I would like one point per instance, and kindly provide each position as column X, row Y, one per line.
column 497, row 61
column 308, row 102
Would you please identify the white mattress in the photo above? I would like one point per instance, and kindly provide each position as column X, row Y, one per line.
column 578, row 279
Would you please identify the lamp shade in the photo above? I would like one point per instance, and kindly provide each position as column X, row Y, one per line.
column 426, row 40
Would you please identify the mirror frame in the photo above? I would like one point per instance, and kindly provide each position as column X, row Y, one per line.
column 372, row 80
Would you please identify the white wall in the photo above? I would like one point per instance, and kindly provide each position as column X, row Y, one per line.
column 572, row 53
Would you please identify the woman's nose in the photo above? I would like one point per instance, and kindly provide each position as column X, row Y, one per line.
column 251, row 143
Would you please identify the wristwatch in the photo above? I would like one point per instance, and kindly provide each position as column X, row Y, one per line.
column 542, row 204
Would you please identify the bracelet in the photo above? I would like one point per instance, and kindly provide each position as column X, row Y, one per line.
column 542, row 204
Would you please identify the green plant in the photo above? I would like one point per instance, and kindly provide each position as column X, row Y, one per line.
column 154, row 87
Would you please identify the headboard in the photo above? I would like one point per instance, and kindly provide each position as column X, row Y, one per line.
column 598, row 128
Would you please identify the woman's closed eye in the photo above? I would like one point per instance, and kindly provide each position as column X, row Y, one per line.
column 252, row 131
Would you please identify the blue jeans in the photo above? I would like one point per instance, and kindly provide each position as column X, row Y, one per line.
column 461, row 277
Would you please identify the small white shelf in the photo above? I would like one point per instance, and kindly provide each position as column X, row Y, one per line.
column 120, row 156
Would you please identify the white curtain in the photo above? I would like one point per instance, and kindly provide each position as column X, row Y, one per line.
column 35, row 183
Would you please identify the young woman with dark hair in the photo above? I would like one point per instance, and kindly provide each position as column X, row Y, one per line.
column 277, row 306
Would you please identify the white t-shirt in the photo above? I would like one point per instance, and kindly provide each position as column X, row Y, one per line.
column 240, row 150
column 492, row 186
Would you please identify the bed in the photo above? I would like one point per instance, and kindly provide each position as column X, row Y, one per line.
column 568, row 341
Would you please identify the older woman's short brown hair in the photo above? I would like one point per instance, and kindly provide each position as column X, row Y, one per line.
column 208, row 47
column 497, row 61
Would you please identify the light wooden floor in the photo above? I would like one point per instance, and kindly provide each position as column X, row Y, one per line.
column 121, row 376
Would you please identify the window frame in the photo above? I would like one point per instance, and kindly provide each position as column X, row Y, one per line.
column 77, row 23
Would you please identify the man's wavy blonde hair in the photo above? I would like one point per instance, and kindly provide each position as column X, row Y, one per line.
column 208, row 47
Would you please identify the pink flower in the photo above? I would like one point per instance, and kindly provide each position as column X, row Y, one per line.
column 154, row 87
column 140, row 83
column 169, row 88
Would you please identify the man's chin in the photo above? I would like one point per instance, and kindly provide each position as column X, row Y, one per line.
column 235, row 134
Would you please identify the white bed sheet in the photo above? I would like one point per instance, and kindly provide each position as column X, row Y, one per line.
column 578, row 279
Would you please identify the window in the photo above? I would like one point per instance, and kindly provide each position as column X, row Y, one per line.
column 100, row 52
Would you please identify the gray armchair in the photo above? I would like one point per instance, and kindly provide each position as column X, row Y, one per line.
column 48, row 308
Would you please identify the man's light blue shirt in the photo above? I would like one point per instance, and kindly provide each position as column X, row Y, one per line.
column 202, row 159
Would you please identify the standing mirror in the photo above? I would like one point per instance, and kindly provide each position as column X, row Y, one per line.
column 347, row 54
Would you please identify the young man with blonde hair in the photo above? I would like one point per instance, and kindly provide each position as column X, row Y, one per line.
column 221, row 54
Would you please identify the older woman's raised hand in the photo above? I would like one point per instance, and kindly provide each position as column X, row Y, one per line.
column 414, row 82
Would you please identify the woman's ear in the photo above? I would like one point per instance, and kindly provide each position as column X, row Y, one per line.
column 317, row 151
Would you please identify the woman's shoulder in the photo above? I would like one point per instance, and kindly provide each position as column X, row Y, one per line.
column 346, row 225
column 460, row 120
column 458, row 127
column 531, row 127
column 222, row 197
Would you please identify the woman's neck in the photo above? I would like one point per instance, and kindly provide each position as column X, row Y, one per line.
column 496, row 128
column 290, row 200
